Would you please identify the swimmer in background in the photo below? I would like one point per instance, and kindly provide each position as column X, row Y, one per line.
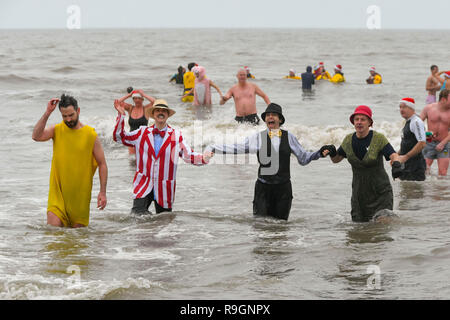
column 244, row 95
column 375, row 77
column 249, row 75
column 307, row 79
column 338, row 74
column 202, row 88
column 137, row 112
column 432, row 85
column 178, row 77
column 445, row 84
column 438, row 122
column 413, row 142
column 292, row 75
column 189, row 83
column 322, row 73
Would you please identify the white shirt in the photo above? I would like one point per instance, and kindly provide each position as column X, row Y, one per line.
column 417, row 127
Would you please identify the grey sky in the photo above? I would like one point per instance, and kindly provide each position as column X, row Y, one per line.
column 394, row 14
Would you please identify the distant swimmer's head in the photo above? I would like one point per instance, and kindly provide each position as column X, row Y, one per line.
column 137, row 97
column 191, row 65
column 242, row 75
column 372, row 71
column 291, row 73
column 308, row 69
column 199, row 72
column 338, row 68
column 68, row 106
column 130, row 89
column 443, row 97
column 273, row 116
column 434, row 69
column 180, row 69
column 407, row 107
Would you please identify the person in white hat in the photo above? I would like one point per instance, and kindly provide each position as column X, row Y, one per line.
column 292, row 75
column 136, row 111
column 338, row 74
column 375, row 77
column 158, row 148
column 413, row 142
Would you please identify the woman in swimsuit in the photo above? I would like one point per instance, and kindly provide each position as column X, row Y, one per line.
column 137, row 115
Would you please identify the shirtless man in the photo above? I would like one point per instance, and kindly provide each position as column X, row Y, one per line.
column 432, row 85
column 244, row 95
column 438, row 122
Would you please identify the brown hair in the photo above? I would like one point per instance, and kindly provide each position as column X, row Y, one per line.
column 444, row 94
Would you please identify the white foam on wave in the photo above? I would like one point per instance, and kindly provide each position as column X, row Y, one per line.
column 37, row 287
column 201, row 133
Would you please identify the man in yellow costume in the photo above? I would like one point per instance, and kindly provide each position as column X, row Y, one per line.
column 189, row 83
column 77, row 152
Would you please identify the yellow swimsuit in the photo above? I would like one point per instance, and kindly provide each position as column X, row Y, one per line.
column 73, row 167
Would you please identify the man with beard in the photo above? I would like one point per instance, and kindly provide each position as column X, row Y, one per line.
column 77, row 152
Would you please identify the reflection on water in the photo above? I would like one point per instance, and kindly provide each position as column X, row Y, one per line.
column 410, row 190
column 273, row 255
column 308, row 95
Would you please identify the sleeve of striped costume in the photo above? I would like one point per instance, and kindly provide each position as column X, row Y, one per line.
column 188, row 155
column 303, row 157
column 121, row 136
column 250, row 145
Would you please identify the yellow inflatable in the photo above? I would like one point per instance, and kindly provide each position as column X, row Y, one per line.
column 337, row 78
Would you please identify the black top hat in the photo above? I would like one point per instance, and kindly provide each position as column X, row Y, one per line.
column 273, row 108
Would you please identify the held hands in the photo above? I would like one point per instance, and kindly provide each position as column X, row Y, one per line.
column 207, row 155
column 51, row 105
column 397, row 170
column 328, row 149
column 119, row 107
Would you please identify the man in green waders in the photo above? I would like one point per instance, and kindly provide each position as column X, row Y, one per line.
column 364, row 149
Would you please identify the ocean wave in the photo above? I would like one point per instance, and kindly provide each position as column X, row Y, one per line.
column 66, row 69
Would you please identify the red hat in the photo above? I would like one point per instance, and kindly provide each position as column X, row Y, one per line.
column 447, row 74
column 365, row 110
column 338, row 67
column 136, row 94
column 410, row 102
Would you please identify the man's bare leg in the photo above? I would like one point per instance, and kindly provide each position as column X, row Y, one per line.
column 429, row 163
column 443, row 166
column 53, row 220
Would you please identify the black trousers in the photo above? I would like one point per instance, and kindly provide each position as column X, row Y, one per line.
column 272, row 200
column 141, row 205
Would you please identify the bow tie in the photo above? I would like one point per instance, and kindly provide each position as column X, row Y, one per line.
column 160, row 132
column 273, row 134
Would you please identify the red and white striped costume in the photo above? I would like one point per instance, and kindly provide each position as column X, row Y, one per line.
column 156, row 172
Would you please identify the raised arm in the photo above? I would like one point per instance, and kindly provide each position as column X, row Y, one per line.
column 128, row 139
column 40, row 132
column 99, row 156
column 261, row 93
column 149, row 98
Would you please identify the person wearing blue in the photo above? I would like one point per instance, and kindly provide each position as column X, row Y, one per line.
column 307, row 79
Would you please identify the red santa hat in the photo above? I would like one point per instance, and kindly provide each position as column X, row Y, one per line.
column 338, row 67
column 372, row 69
column 447, row 74
column 410, row 102
column 136, row 94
